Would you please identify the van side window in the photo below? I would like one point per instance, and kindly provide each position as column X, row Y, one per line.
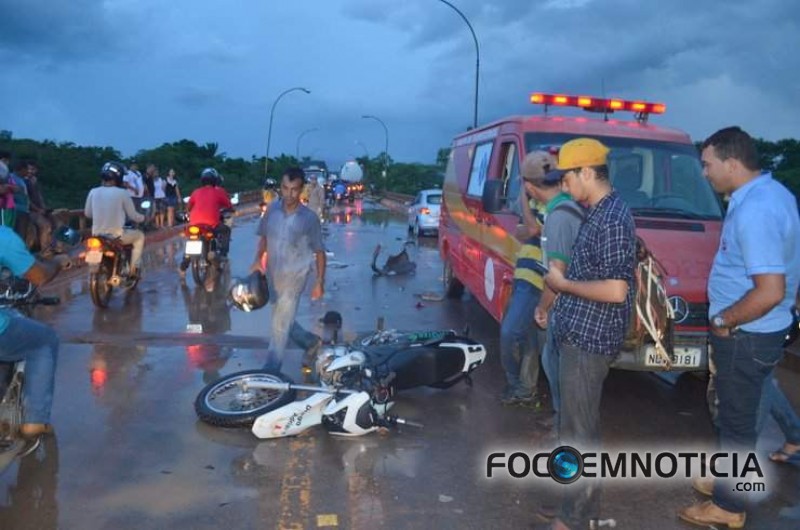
column 510, row 176
column 480, row 168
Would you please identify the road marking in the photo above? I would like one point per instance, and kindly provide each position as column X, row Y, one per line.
column 295, row 497
column 327, row 519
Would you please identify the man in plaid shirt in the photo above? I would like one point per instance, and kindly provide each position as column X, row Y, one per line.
column 592, row 311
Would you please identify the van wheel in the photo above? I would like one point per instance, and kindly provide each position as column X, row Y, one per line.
column 453, row 288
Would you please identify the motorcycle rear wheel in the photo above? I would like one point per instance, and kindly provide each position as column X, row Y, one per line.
column 99, row 286
column 200, row 271
column 223, row 403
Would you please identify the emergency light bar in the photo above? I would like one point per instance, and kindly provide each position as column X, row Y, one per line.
column 592, row 104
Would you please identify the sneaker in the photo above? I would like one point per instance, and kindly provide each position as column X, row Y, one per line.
column 526, row 400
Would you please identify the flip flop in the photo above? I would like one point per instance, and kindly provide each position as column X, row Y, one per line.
column 782, row 457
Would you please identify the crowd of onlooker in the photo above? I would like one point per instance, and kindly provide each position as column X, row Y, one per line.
column 22, row 205
column 162, row 195
column 23, row 208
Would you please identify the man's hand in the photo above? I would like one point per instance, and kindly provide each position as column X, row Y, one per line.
column 317, row 291
column 256, row 267
column 719, row 332
column 540, row 316
column 555, row 280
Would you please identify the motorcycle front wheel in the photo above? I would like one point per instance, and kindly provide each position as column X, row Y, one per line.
column 228, row 403
column 99, row 285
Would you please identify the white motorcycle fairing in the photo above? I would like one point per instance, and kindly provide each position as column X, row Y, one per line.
column 474, row 354
column 293, row 418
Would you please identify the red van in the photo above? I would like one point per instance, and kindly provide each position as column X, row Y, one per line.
column 656, row 170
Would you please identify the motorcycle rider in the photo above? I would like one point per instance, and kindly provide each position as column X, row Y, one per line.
column 23, row 338
column 108, row 206
column 204, row 207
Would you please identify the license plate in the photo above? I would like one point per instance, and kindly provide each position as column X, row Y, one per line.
column 93, row 257
column 194, row 247
column 194, row 328
column 682, row 357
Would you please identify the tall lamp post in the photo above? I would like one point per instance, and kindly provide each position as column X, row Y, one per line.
column 272, row 115
column 299, row 137
column 477, row 60
column 386, row 148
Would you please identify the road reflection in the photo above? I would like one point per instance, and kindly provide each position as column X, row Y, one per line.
column 31, row 502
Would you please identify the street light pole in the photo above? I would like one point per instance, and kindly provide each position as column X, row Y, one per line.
column 271, row 116
column 386, row 148
column 477, row 60
column 299, row 137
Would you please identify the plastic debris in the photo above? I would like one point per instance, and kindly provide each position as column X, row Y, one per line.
column 445, row 498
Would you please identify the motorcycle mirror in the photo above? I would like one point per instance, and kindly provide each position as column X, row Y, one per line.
column 186, row 200
column 146, row 205
column 235, row 199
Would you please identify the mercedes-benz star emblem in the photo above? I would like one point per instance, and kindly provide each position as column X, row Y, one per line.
column 680, row 308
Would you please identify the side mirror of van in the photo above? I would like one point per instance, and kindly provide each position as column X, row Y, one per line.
column 492, row 198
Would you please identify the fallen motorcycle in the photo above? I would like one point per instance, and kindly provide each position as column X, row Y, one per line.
column 20, row 295
column 358, row 383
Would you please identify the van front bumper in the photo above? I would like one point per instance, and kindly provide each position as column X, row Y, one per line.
column 690, row 354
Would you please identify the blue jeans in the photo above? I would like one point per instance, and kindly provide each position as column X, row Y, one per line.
column 518, row 339
column 774, row 403
column 743, row 360
column 579, row 426
column 36, row 344
column 550, row 360
column 285, row 327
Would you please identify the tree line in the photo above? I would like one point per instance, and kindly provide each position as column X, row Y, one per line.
column 67, row 171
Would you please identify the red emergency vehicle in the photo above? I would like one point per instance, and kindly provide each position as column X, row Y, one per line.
column 656, row 170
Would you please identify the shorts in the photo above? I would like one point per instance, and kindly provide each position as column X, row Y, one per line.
column 161, row 206
column 171, row 202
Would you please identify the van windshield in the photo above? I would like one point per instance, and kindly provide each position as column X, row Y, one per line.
column 656, row 179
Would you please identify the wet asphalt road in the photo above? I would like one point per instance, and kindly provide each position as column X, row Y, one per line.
column 130, row 453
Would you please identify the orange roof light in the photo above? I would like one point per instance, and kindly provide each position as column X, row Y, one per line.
column 641, row 108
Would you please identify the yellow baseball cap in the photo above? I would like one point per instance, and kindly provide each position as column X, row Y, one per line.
column 581, row 152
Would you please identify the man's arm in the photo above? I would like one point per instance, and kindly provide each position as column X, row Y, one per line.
column 42, row 272
column 767, row 292
column 531, row 225
column 319, row 285
column 130, row 210
column 87, row 208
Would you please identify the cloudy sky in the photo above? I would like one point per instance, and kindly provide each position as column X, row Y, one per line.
column 133, row 74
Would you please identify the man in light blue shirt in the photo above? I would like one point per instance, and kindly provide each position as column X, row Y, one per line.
column 26, row 339
column 751, row 289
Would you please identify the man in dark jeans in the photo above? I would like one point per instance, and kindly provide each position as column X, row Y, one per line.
column 751, row 290
column 592, row 312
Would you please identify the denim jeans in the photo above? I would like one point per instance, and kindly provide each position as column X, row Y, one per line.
column 550, row 363
column 775, row 404
column 36, row 344
column 744, row 361
column 285, row 327
column 579, row 426
column 519, row 353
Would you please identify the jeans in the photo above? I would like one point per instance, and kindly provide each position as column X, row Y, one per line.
column 743, row 361
column 774, row 403
column 136, row 238
column 579, row 426
column 36, row 344
column 285, row 327
column 550, row 361
column 518, row 339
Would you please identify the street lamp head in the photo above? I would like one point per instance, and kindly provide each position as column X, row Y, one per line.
column 307, row 91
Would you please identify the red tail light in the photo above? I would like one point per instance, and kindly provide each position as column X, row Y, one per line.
column 94, row 243
column 425, row 211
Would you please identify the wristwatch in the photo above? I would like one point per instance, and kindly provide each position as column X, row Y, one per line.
column 718, row 321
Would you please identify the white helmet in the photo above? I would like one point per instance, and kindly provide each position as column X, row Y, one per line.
column 351, row 416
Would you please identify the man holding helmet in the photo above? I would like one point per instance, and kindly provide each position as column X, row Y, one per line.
column 108, row 206
column 291, row 238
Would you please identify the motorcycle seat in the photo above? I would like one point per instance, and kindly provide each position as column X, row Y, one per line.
column 114, row 242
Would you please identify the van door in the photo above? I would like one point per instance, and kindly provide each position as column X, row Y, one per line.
column 500, row 245
column 473, row 244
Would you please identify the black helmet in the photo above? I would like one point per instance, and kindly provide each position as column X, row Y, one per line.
column 67, row 235
column 249, row 293
column 209, row 176
column 112, row 171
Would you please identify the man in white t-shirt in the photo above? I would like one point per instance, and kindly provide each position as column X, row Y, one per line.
column 108, row 206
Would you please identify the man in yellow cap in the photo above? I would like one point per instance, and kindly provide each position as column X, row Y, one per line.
column 592, row 311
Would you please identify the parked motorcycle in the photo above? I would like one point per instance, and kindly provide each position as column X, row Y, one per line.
column 23, row 296
column 358, row 383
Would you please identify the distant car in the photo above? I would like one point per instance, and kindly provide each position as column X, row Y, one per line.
column 423, row 213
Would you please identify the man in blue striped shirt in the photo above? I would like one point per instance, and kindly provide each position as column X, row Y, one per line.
column 592, row 311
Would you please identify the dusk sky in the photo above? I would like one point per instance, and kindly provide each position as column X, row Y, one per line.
column 134, row 74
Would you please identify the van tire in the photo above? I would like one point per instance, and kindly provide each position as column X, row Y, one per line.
column 453, row 288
